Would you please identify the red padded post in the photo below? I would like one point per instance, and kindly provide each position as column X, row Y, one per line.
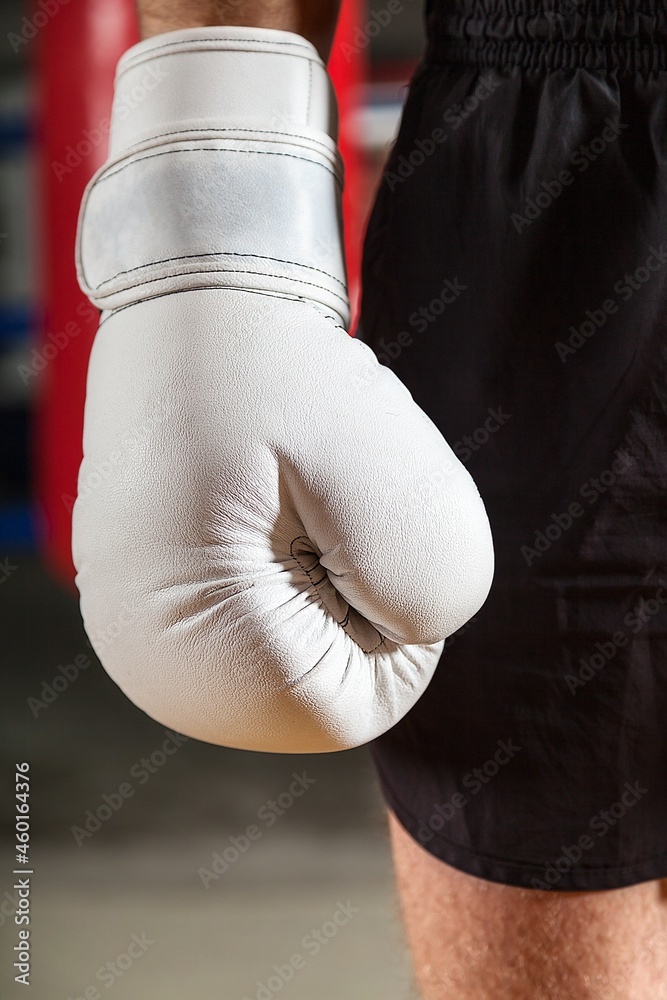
column 75, row 54
column 348, row 66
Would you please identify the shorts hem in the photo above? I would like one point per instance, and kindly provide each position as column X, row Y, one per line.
column 523, row 875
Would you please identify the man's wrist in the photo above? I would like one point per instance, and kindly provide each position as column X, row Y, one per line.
column 312, row 19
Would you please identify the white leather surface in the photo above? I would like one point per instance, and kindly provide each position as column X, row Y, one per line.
column 272, row 540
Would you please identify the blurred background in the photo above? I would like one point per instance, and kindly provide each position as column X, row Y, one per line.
column 163, row 868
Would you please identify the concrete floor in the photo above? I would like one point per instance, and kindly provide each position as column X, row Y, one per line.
column 321, row 869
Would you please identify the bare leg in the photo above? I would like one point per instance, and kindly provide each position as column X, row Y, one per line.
column 477, row 940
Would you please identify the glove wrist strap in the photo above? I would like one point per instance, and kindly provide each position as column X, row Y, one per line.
column 224, row 172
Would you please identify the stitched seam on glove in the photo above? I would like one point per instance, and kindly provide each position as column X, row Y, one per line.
column 225, row 253
column 208, row 149
column 239, row 131
column 184, row 46
column 222, row 270
column 107, row 314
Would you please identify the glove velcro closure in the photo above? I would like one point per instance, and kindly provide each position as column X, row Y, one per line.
column 214, row 207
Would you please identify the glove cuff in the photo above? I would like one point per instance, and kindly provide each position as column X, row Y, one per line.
column 233, row 76
column 224, row 172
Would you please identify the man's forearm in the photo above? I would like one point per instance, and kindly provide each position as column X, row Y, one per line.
column 314, row 19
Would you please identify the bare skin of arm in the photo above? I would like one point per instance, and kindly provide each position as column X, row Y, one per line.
column 313, row 19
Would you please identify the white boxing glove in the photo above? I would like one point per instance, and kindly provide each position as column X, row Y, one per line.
column 272, row 540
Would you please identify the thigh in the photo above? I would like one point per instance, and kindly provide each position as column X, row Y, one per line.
column 477, row 940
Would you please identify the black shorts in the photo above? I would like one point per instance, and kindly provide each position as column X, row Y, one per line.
column 515, row 279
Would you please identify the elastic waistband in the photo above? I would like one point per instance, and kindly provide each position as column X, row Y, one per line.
column 598, row 35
